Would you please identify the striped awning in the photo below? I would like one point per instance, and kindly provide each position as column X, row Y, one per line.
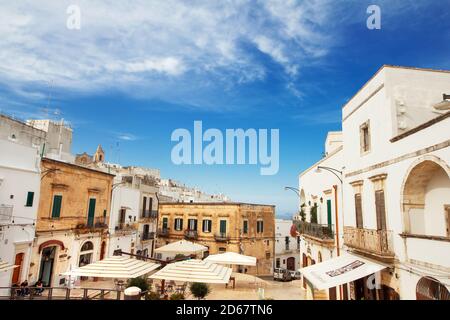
column 5, row 266
column 182, row 247
column 114, row 267
column 194, row 271
column 232, row 258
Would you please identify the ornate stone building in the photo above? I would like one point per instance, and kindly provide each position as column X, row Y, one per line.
column 244, row 228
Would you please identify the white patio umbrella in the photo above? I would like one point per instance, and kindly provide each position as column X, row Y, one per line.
column 114, row 267
column 232, row 258
column 194, row 270
column 182, row 247
column 5, row 266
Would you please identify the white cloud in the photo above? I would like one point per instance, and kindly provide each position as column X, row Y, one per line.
column 127, row 137
column 151, row 47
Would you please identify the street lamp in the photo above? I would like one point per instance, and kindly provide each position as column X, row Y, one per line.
column 338, row 174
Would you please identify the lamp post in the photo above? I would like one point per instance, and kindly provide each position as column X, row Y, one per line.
column 338, row 174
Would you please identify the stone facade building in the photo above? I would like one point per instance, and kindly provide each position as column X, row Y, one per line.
column 243, row 228
column 72, row 221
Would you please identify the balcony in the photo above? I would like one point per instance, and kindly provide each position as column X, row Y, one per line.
column 148, row 236
column 148, row 215
column 91, row 224
column 322, row 232
column 376, row 243
column 124, row 227
column 191, row 234
column 221, row 237
column 163, row 233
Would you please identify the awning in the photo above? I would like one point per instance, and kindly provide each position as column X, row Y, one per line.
column 194, row 271
column 340, row 270
column 5, row 266
column 182, row 247
column 114, row 267
column 232, row 258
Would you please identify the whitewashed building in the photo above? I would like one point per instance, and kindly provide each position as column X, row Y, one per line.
column 396, row 151
column 320, row 189
column 287, row 247
column 174, row 191
column 20, row 147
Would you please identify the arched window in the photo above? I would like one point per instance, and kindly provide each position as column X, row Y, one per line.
column 425, row 195
column 86, row 252
column 87, row 246
column 430, row 289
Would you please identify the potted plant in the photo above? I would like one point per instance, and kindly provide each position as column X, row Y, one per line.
column 177, row 296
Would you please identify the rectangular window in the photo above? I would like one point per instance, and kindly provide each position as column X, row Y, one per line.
column 223, row 227
column 286, row 241
column 122, row 215
column 192, row 224
column 206, row 226
column 298, row 243
column 165, row 223
column 358, row 211
column 380, row 210
column 277, row 264
column 56, row 210
column 245, row 227
column 178, row 224
column 260, row 226
column 150, row 203
column 30, row 197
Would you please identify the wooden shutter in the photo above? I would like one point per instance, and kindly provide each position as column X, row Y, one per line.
column 56, row 210
column 144, row 205
column 245, row 226
column 358, row 210
column 150, row 205
column 164, row 223
column 30, row 197
column 223, row 226
column 380, row 210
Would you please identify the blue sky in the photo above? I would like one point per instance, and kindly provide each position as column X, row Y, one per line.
column 138, row 70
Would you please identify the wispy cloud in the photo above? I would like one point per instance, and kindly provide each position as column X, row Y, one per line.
column 148, row 48
column 127, row 137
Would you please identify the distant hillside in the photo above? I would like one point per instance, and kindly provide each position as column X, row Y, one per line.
column 284, row 216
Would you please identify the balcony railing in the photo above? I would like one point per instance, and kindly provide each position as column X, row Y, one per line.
column 191, row 234
column 149, row 214
column 164, row 232
column 6, row 212
column 148, row 236
column 221, row 236
column 93, row 223
column 321, row 231
column 376, row 242
column 123, row 226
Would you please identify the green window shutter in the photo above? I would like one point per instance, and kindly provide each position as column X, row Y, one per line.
column 223, row 226
column 165, row 221
column 56, row 210
column 30, row 197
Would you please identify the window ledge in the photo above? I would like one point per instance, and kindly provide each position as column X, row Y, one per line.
column 426, row 237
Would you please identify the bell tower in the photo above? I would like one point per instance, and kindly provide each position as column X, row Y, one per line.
column 99, row 155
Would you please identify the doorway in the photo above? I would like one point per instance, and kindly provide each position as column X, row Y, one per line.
column 47, row 264
column 290, row 263
column 17, row 271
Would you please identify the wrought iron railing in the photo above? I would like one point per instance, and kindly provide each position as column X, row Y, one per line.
column 164, row 232
column 96, row 222
column 221, row 236
column 148, row 236
column 58, row 293
column 191, row 234
column 321, row 231
column 149, row 214
column 378, row 242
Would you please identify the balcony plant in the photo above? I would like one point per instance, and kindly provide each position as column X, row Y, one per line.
column 302, row 212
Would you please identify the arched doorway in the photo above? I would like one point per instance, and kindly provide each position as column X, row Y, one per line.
column 425, row 198
column 431, row 289
column 17, row 271
column 47, row 265
column 290, row 263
